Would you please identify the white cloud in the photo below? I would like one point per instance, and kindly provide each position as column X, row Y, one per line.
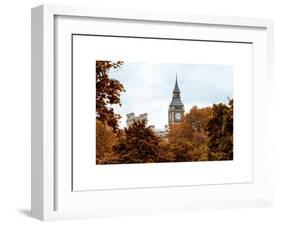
column 149, row 87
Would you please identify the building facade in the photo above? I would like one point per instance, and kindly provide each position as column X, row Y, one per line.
column 160, row 132
column 131, row 118
column 176, row 108
column 175, row 114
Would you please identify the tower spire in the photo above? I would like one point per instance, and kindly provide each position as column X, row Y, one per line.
column 176, row 89
column 176, row 108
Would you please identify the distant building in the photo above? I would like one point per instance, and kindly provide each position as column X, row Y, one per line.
column 160, row 132
column 176, row 108
column 175, row 114
column 131, row 118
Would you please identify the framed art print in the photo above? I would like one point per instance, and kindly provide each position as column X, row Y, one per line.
column 138, row 112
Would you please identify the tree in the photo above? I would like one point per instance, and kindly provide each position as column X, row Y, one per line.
column 183, row 150
column 105, row 139
column 198, row 117
column 180, row 131
column 138, row 144
column 108, row 91
column 188, row 139
column 220, row 132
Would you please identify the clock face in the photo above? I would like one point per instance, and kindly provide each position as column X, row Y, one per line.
column 178, row 116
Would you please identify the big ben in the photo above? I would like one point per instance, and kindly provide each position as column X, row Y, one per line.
column 176, row 108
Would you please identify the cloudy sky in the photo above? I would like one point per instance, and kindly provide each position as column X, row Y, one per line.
column 149, row 88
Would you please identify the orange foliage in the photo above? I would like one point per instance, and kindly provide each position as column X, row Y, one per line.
column 105, row 139
column 108, row 91
column 204, row 134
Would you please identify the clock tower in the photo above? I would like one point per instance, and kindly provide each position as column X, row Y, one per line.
column 176, row 108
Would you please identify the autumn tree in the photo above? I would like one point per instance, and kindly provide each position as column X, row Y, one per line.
column 198, row 117
column 220, row 132
column 182, row 150
column 188, row 139
column 108, row 91
column 105, row 139
column 179, row 131
column 138, row 144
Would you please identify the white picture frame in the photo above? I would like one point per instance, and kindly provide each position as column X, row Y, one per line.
column 54, row 198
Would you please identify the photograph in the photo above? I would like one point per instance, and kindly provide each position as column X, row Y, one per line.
column 137, row 112
column 163, row 112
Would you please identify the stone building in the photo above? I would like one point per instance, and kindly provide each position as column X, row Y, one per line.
column 131, row 118
column 176, row 108
column 160, row 132
column 175, row 114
